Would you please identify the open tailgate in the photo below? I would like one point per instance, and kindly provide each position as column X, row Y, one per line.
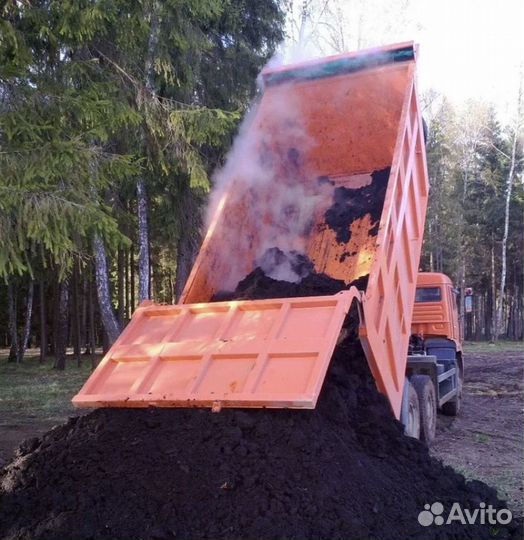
column 263, row 353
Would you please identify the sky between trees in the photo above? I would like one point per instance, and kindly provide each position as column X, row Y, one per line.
column 469, row 49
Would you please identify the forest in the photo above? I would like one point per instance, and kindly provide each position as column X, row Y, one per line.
column 114, row 115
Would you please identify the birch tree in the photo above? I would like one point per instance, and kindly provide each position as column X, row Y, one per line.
column 515, row 134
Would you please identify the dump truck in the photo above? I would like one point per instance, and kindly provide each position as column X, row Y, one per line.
column 435, row 367
column 344, row 130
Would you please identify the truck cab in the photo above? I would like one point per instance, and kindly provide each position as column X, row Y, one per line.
column 435, row 367
column 435, row 313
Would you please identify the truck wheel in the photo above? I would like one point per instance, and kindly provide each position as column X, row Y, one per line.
column 412, row 428
column 452, row 407
column 428, row 406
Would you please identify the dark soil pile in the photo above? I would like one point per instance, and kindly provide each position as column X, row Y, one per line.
column 341, row 471
column 351, row 204
column 258, row 286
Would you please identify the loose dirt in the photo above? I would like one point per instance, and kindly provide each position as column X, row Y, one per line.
column 343, row 470
column 486, row 440
column 352, row 204
column 258, row 286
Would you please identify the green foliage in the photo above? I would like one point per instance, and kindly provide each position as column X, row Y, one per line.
column 80, row 118
column 52, row 138
column 14, row 55
column 468, row 155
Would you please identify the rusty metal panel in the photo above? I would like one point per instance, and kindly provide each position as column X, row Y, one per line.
column 267, row 353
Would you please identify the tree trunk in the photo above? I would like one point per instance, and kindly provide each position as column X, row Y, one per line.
column 186, row 253
column 85, row 323
column 62, row 326
column 503, row 256
column 488, row 336
column 510, row 324
column 27, row 323
column 13, row 327
column 120, row 286
column 431, row 239
column 105, row 306
column 462, row 281
column 172, row 296
column 105, row 343
column 91, row 316
column 126, row 284
column 43, row 322
column 77, row 336
column 154, row 35
column 132, row 279
column 144, row 271
column 304, row 16
column 520, row 311
column 494, row 333
column 54, row 315
column 479, row 305
column 143, row 242
column 189, row 243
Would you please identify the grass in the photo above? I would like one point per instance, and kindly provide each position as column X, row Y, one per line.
column 499, row 346
column 33, row 392
column 482, row 437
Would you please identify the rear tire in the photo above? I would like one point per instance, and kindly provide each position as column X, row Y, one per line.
column 412, row 428
column 427, row 397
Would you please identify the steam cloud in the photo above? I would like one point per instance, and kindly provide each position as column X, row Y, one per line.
column 266, row 166
column 291, row 266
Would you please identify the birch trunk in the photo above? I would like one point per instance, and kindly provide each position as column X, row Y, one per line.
column 144, row 271
column 503, row 255
column 462, row 281
column 143, row 242
column 103, row 291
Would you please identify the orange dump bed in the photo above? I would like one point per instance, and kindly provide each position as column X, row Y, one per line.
column 347, row 122
column 332, row 125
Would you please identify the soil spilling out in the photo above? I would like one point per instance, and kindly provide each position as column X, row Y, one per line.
column 258, row 285
column 352, row 204
column 285, row 266
column 344, row 470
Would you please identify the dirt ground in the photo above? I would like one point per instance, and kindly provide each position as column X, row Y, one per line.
column 34, row 397
column 486, row 440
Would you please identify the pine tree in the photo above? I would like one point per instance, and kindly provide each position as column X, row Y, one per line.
column 87, row 115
